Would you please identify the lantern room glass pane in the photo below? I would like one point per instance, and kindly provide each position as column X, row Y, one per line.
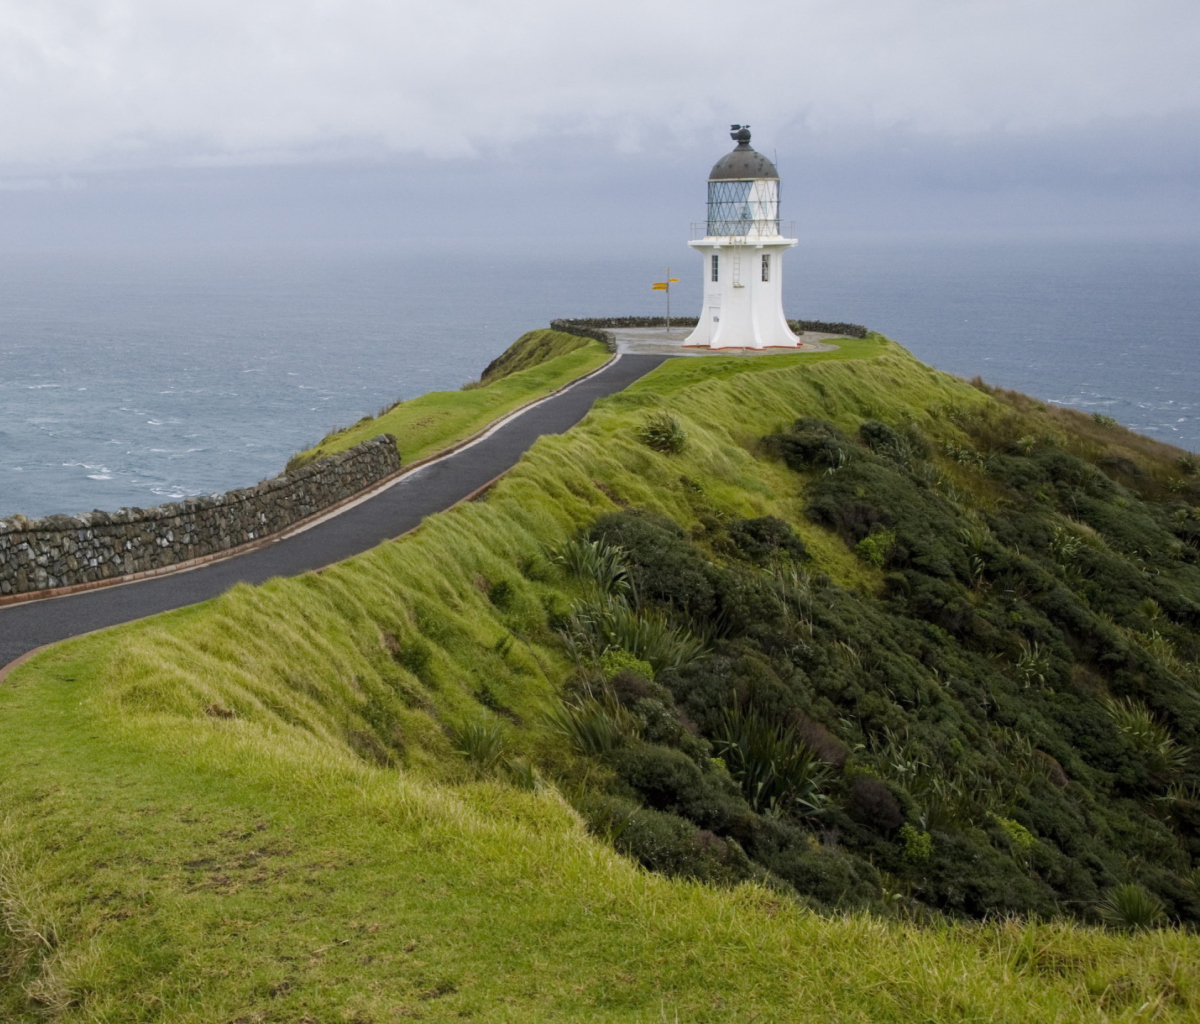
column 739, row 208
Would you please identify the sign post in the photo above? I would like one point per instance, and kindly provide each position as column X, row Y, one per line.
column 665, row 286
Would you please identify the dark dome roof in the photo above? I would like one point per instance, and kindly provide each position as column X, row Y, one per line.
column 743, row 162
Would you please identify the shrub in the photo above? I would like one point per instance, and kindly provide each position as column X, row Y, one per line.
column 664, row 566
column 614, row 662
column 1100, row 419
column 876, row 546
column 1131, row 908
column 657, row 721
column 905, row 448
column 606, row 816
column 831, row 877
column 778, row 771
column 664, row 433
column 918, row 845
column 628, row 686
column 500, row 594
column 668, row 780
column 674, row 846
column 746, row 600
column 810, row 444
column 766, row 537
column 1020, row 839
column 821, row 741
column 874, row 804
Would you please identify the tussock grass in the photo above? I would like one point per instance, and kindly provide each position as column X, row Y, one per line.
column 251, row 809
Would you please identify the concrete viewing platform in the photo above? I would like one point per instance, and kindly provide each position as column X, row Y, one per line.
column 659, row 341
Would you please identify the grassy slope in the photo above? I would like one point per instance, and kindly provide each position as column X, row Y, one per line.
column 435, row 420
column 161, row 862
column 532, row 348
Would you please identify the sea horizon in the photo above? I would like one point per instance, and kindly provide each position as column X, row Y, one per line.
column 137, row 378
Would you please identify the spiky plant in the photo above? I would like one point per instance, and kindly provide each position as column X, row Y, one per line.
column 664, row 433
column 522, row 773
column 1146, row 734
column 1065, row 545
column 608, row 621
column 592, row 727
column 1131, row 908
column 777, row 770
column 1033, row 664
column 596, row 563
column 482, row 742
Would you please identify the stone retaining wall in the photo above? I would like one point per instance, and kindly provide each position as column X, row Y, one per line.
column 593, row 327
column 585, row 329
column 63, row 551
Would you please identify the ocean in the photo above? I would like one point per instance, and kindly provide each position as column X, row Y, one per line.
column 134, row 379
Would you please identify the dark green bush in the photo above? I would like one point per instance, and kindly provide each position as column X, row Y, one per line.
column 1009, row 725
column 874, row 804
column 674, row 846
column 810, row 444
column 663, row 565
column 759, row 540
column 830, row 877
column 668, row 780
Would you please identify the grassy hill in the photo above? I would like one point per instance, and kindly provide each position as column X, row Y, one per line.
column 538, row 363
column 779, row 689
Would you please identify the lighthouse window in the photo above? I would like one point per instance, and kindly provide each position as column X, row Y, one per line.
column 766, row 268
column 716, row 265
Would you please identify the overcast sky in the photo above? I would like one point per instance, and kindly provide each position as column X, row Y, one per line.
column 375, row 120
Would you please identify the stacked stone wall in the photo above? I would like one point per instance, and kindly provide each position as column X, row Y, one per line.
column 63, row 551
column 593, row 327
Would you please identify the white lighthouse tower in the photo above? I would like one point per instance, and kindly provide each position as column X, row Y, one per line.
column 743, row 251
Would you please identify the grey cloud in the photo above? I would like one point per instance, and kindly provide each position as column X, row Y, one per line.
column 91, row 84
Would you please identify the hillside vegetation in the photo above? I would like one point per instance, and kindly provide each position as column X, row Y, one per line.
column 532, row 348
column 538, row 363
column 779, row 689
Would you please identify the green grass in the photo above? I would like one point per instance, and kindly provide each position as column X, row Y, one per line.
column 433, row 421
column 682, row 373
column 252, row 810
column 532, row 348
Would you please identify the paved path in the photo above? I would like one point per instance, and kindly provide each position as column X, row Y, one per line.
column 660, row 341
column 391, row 512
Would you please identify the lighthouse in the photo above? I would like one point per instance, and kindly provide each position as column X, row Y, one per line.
column 742, row 246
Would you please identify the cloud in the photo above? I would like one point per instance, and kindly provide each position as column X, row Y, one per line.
column 125, row 83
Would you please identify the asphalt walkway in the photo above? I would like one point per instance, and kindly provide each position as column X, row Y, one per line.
column 387, row 514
